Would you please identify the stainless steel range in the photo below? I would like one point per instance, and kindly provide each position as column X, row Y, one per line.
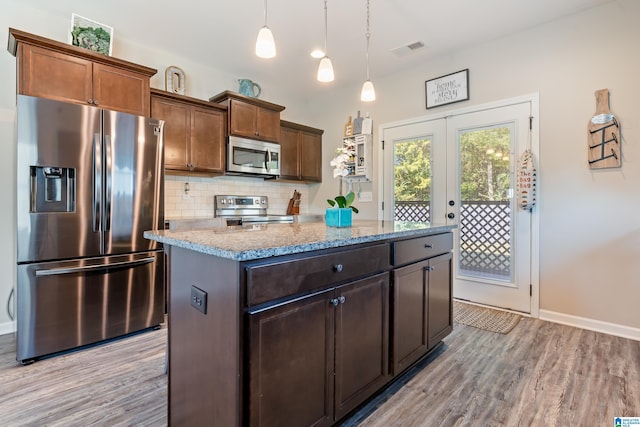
column 239, row 210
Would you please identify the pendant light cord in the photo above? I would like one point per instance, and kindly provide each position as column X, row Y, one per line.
column 325, row 28
column 368, row 34
column 265, row 13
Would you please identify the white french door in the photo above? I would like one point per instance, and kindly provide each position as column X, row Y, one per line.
column 415, row 171
column 492, row 243
column 460, row 169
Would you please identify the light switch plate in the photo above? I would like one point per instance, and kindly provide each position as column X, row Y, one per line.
column 365, row 196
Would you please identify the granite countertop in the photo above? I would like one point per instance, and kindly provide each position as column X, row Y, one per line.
column 243, row 243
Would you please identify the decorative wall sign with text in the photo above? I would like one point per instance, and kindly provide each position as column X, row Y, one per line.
column 447, row 89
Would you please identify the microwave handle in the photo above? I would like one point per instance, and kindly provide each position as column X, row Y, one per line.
column 267, row 158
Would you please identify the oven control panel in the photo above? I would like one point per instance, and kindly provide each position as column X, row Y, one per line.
column 240, row 206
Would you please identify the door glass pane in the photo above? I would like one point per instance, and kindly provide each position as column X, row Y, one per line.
column 485, row 195
column 412, row 180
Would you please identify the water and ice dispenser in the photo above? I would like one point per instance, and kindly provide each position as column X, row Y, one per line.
column 53, row 189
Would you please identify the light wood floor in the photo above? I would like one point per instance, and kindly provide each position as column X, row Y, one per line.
column 120, row 383
column 540, row 374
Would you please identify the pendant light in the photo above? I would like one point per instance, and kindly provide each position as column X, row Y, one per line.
column 265, row 45
column 368, row 92
column 325, row 69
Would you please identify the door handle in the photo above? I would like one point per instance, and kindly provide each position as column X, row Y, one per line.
column 97, row 182
column 108, row 190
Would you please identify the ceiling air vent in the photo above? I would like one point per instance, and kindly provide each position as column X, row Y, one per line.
column 408, row 48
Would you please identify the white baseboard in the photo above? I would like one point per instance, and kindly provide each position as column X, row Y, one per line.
column 7, row 328
column 590, row 324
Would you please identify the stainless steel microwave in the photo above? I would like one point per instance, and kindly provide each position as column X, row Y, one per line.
column 249, row 156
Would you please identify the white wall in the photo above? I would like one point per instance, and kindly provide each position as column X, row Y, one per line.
column 589, row 220
column 590, row 226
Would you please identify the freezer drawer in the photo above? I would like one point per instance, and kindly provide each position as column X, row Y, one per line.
column 68, row 304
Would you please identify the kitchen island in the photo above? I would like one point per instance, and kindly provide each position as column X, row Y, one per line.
column 299, row 324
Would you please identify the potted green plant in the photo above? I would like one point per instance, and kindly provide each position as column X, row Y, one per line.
column 340, row 214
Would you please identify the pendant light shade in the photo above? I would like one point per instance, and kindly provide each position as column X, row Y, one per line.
column 368, row 92
column 265, row 44
column 325, row 69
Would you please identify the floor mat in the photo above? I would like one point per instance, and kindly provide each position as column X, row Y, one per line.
column 484, row 318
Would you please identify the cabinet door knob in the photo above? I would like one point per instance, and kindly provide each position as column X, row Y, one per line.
column 89, row 101
column 429, row 268
column 337, row 268
column 342, row 299
column 334, row 302
column 95, row 102
column 451, row 215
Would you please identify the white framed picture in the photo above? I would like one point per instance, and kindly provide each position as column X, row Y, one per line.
column 91, row 35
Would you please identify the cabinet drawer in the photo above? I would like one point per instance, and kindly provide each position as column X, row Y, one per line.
column 406, row 251
column 278, row 280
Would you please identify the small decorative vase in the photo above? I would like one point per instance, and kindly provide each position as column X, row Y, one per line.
column 338, row 217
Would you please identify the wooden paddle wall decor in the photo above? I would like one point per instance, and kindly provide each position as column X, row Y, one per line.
column 604, row 135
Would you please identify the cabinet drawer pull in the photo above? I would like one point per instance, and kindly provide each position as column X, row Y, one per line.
column 429, row 268
column 342, row 299
column 428, row 245
column 334, row 302
column 337, row 268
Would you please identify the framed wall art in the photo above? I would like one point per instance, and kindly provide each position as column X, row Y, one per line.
column 91, row 35
column 447, row 89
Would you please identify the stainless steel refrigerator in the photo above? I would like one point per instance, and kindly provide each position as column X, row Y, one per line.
column 89, row 183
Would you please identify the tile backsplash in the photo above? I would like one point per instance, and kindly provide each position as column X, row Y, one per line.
column 198, row 201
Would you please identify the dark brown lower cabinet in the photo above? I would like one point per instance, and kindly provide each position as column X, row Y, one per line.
column 315, row 358
column 440, row 299
column 361, row 341
column 422, row 309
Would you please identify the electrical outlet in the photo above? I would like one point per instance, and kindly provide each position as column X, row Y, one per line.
column 199, row 299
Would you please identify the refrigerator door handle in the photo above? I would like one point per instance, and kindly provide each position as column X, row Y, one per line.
column 108, row 183
column 97, row 183
column 85, row 268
